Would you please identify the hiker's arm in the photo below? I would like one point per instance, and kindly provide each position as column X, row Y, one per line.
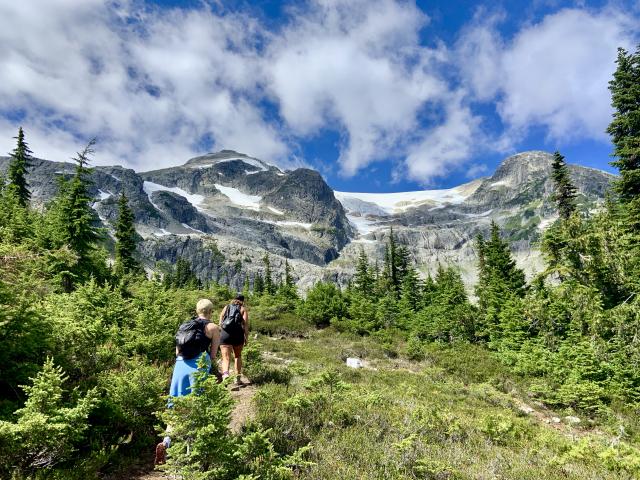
column 222, row 314
column 214, row 331
column 245, row 324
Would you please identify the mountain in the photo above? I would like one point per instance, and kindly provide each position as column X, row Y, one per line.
column 223, row 211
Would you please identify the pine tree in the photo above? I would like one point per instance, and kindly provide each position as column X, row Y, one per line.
column 125, row 239
column 17, row 174
column 565, row 191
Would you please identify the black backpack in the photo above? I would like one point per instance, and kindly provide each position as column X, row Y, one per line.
column 232, row 321
column 191, row 339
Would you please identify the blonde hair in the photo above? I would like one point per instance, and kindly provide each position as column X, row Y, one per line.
column 204, row 306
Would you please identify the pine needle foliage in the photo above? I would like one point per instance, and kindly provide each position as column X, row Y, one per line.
column 125, row 233
column 564, row 190
column 18, row 167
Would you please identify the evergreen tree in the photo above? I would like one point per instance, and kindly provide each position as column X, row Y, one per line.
column 625, row 126
column 565, row 191
column 363, row 281
column 499, row 279
column 390, row 261
column 125, row 239
column 71, row 222
column 410, row 290
column 269, row 286
column 17, row 174
column 182, row 276
column 258, row 284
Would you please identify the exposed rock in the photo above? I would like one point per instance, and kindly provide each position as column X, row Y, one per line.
column 222, row 212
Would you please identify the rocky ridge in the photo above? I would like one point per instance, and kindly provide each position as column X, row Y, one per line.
column 223, row 211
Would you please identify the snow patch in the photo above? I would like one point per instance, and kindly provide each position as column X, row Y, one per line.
column 162, row 233
column 545, row 222
column 249, row 172
column 259, row 164
column 478, row 215
column 239, row 198
column 500, row 183
column 189, row 227
column 193, row 198
column 399, row 202
column 104, row 195
column 362, row 225
column 276, row 211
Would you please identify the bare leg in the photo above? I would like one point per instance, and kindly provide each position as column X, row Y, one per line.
column 226, row 358
column 238, row 365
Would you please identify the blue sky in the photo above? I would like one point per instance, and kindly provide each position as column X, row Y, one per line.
column 379, row 95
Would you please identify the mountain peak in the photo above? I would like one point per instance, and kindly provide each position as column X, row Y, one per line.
column 211, row 159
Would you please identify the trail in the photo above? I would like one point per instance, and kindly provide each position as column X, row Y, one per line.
column 242, row 412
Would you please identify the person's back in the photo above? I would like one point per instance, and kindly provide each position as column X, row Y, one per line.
column 193, row 339
column 234, row 335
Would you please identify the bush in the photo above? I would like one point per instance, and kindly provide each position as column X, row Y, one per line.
column 48, row 430
column 260, row 372
column 324, row 302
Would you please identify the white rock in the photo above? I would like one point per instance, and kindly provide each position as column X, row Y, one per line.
column 572, row 420
column 354, row 362
column 526, row 409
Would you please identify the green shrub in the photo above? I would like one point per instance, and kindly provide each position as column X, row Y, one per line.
column 48, row 430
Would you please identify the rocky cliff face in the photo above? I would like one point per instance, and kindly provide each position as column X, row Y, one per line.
column 224, row 211
column 440, row 225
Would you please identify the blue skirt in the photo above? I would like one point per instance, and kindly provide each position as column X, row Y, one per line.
column 182, row 378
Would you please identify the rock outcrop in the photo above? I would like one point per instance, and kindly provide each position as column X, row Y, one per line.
column 223, row 211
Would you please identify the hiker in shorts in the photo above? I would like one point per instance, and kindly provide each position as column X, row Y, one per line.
column 195, row 339
column 234, row 334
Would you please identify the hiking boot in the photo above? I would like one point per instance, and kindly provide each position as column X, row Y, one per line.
column 161, row 454
column 239, row 381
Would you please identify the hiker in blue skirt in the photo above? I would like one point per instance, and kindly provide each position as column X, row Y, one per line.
column 195, row 339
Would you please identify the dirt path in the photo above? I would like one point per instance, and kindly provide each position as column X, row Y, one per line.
column 242, row 412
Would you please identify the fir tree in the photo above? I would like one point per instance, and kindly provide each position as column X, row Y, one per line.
column 17, row 174
column 499, row 279
column 77, row 213
column 565, row 192
column 125, row 239
column 269, row 286
column 390, row 260
column 258, row 284
column 625, row 126
column 363, row 280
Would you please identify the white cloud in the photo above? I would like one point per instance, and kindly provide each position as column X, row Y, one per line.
column 152, row 83
column 446, row 145
column 552, row 74
column 359, row 65
column 150, row 89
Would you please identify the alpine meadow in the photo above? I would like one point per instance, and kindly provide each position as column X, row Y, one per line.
column 489, row 330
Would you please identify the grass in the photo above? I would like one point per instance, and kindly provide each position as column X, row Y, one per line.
column 455, row 415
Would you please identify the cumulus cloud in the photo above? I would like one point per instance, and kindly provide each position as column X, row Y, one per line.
column 150, row 84
column 359, row 65
column 159, row 85
column 552, row 74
